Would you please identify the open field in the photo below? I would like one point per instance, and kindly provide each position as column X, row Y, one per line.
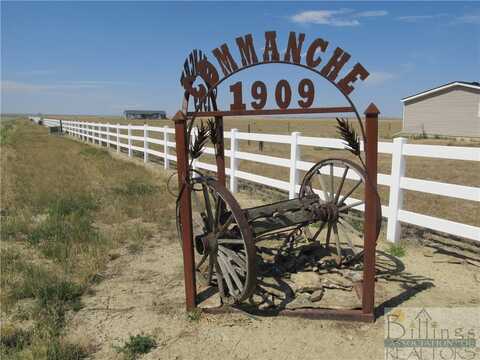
column 66, row 208
column 448, row 171
column 90, row 257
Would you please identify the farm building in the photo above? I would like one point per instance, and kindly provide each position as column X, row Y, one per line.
column 145, row 114
column 452, row 109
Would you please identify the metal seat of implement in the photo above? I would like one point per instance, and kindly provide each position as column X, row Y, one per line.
column 282, row 214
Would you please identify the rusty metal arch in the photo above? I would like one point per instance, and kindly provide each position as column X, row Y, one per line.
column 220, row 81
column 204, row 101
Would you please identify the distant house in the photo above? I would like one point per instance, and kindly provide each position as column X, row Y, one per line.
column 144, row 114
column 452, row 109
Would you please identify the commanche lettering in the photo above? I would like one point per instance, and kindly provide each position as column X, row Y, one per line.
column 298, row 51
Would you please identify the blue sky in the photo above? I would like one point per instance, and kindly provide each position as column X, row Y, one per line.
column 104, row 57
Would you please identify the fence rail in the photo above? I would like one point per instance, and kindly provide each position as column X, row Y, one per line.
column 397, row 182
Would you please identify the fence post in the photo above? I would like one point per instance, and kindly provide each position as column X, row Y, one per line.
column 294, row 157
column 129, row 134
column 369, row 229
column 145, row 143
column 395, row 201
column 166, row 162
column 233, row 160
column 118, row 137
column 108, row 135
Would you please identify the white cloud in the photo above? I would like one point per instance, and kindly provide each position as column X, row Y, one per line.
column 420, row 18
column 14, row 86
column 342, row 17
column 462, row 19
column 468, row 19
column 372, row 13
column 324, row 17
column 379, row 78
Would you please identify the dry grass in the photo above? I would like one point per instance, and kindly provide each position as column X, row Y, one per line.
column 448, row 171
column 65, row 208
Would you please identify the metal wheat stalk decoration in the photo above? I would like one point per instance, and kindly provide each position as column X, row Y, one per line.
column 196, row 148
column 213, row 133
column 350, row 137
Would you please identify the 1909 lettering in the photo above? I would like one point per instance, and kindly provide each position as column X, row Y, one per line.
column 283, row 95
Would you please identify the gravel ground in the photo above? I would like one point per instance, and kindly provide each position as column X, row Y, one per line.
column 144, row 293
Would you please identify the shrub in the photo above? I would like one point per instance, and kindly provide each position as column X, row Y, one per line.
column 136, row 188
column 397, row 250
column 11, row 226
column 60, row 292
column 22, row 279
column 94, row 152
column 58, row 350
column 194, row 315
column 54, row 301
column 69, row 221
column 137, row 236
column 80, row 204
column 54, row 296
column 13, row 338
column 33, row 279
column 136, row 345
column 6, row 128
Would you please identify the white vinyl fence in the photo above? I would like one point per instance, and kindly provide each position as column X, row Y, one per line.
column 112, row 136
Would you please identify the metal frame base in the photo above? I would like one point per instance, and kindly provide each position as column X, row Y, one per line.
column 325, row 314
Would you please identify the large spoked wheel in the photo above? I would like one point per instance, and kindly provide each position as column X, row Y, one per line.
column 224, row 247
column 340, row 185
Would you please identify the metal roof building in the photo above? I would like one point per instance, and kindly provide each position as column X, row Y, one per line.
column 145, row 114
column 448, row 110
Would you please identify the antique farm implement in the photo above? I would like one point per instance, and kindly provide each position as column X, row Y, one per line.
column 337, row 203
column 225, row 235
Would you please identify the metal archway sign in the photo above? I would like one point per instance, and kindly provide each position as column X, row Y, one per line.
column 200, row 80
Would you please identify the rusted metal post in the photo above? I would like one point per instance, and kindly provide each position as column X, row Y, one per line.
column 185, row 210
column 371, row 154
column 220, row 157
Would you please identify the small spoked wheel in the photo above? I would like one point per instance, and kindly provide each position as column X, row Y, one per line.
column 225, row 251
column 340, row 186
